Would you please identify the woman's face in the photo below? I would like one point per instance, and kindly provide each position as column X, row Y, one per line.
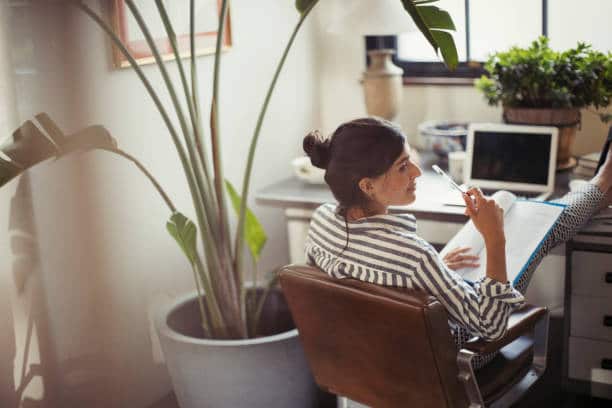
column 397, row 186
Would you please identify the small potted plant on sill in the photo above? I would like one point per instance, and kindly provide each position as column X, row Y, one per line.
column 227, row 344
column 540, row 86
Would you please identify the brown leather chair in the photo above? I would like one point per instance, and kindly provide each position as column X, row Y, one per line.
column 392, row 347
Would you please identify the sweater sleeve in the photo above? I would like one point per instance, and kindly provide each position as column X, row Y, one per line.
column 482, row 307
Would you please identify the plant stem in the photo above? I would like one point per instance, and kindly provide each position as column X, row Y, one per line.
column 194, row 87
column 261, row 301
column 238, row 252
column 233, row 277
column 196, row 278
column 179, row 147
column 207, row 190
column 250, row 312
column 211, row 300
column 228, row 295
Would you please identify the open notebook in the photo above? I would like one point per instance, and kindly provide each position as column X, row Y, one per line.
column 527, row 223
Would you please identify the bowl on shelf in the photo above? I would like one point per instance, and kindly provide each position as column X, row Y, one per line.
column 305, row 171
column 443, row 137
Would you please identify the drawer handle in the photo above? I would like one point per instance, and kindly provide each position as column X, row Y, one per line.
column 607, row 320
column 606, row 363
column 608, row 277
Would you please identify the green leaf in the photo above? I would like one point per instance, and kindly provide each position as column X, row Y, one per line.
column 92, row 137
column 435, row 17
column 255, row 235
column 183, row 231
column 302, row 5
column 411, row 8
column 447, row 48
column 54, row 132
column 30, row 146
column 8, row 171
column 427, row 18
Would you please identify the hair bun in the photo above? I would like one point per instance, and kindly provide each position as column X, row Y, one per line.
column 317, row 149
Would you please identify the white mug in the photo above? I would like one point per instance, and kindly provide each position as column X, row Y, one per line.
column 455, row 165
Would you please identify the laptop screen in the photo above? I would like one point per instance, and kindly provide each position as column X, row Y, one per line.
column 511, row 156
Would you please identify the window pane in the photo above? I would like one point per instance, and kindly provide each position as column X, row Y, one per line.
column 414, row 47
column 587, row 21
column 496, row 25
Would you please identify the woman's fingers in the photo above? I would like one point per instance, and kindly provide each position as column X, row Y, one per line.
column 457, row 259
column 462, row 264
column 462, row 258
column 470, row 257
column 459, row 250
column 470, row 207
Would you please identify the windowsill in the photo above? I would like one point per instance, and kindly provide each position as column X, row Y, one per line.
column 407, row 81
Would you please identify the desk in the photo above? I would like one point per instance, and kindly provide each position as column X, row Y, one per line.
column 587, row 360
column 553, row 283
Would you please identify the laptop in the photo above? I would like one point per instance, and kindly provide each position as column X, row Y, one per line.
column 517, row 158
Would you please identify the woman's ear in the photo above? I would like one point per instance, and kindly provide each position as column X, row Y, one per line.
column 365, row 184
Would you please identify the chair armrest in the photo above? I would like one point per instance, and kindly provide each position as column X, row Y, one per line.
column 521, row 322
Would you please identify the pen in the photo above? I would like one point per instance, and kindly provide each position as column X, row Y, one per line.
column 447, row 177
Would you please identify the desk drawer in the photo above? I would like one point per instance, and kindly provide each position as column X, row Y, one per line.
column 589, row 359
column 591, row 273
column 592, row 317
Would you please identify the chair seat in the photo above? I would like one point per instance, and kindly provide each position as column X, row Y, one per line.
column 506, row 369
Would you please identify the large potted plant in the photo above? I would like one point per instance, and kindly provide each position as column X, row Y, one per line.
column 229, row 344
column 540, row 86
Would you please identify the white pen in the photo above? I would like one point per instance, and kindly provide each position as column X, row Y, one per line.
column 447, row 177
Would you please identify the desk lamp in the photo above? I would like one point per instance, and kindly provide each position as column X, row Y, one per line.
column 382, row 80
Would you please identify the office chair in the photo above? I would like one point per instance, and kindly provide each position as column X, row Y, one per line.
column 392, row 347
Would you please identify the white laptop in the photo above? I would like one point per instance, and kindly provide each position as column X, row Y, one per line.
column 517, row 158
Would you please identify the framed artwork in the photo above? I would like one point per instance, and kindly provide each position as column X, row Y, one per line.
column 206, row 28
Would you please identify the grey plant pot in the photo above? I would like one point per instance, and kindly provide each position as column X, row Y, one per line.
column 266, row 372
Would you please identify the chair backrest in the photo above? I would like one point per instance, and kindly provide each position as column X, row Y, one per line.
column 381, row 346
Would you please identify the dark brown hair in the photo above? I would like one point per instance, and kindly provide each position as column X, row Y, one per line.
column 365, row 147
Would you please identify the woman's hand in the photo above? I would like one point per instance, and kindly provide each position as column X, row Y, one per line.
column 487, row 216
column 458, row 258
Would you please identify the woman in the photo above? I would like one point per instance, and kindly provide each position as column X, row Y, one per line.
column 369, row 168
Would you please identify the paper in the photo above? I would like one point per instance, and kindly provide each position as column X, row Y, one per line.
column 526, row 225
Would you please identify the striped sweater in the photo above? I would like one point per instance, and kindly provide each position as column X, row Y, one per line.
column 386, row 250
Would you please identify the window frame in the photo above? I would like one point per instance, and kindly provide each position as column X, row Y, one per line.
column 436, row 73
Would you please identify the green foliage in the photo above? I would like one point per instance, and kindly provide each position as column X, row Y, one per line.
column 29, row 145
column 184, row 232
column 539, row 77
column 255, row 234
column 302, row 5
column 434, row 23
column 219, row 273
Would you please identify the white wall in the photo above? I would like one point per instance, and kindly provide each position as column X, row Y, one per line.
column 343, row 62
column 106, row 258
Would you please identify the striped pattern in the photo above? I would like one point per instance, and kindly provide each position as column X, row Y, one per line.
column 580, row 207
column 385, row 250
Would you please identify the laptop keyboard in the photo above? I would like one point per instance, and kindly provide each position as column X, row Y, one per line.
column 519, row 194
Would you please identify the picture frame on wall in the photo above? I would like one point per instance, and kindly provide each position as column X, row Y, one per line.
column 206, row 27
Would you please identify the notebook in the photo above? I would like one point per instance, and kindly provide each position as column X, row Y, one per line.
column 520, row 159
column 527, row 223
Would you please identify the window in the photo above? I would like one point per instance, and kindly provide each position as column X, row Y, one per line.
column 485, row 26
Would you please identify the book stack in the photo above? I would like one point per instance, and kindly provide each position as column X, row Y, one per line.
column 587, row 164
